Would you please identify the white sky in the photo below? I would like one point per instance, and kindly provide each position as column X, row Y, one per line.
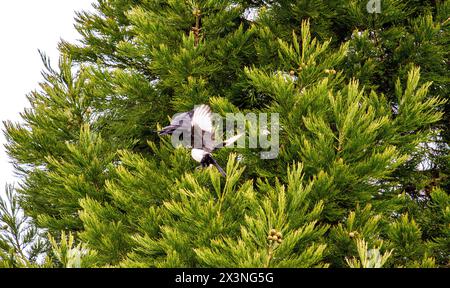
column 25, row 27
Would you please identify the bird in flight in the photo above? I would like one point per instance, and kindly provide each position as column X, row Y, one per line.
column 197, row 124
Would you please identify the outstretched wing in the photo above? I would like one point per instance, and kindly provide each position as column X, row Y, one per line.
column 202, row 128
column 228, row 142
column 202, row 118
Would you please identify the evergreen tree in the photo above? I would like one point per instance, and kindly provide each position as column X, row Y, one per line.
column 361, row 101
column 383, row 47
column 21, row 243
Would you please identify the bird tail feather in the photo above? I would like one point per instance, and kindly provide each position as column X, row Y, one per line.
column 214, row 162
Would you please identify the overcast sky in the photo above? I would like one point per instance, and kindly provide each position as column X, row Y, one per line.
column 25, row 27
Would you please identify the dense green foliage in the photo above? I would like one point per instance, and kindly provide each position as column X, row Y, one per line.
column 362, row 178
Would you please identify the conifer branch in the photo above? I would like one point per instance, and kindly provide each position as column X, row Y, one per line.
column 197, row 28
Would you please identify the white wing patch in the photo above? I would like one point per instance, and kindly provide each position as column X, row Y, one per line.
column 231, row 140
column 202, row 118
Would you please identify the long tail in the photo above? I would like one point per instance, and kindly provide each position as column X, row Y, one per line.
column 214, row 162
